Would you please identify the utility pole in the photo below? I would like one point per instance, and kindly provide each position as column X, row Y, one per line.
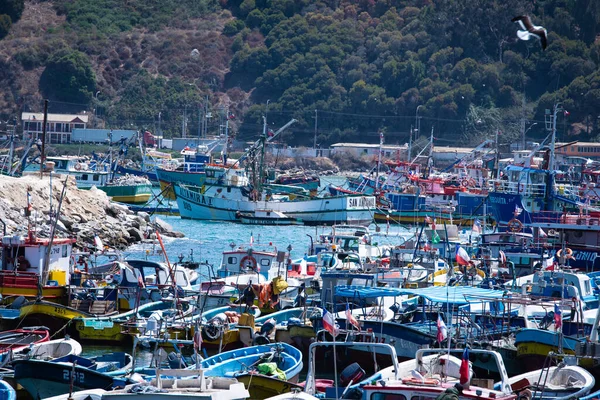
column 159, row 117
column 199, row 121
column 43, row 155
column 315, row 140
column 183, row 122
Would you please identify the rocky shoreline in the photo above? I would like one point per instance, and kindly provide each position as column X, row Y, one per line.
column 83, row 214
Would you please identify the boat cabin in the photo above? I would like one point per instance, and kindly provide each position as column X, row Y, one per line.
column 23, row 257
column 195, row 160
column 87, row 174
column 247, row 259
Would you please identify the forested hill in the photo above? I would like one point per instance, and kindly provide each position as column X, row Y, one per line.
column 356, row 66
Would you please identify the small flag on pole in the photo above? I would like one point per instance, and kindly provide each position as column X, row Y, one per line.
column 442, row 331
column 329, row 323
column 464, row 367
column 462, row 257
column 351, row 318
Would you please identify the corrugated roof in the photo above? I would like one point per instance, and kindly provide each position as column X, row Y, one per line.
column 368, row 146
column 31, row 116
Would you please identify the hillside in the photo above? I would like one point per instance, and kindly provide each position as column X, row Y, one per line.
column 359, row 66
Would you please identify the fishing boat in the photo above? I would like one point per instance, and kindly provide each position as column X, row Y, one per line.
column 427, row 381
column 219, row 327
column 292, row 326
column 43, row 379
column 308, row 182
column 87, row 174
column 119, row 327
column 48, row 350
column 288, row 360
column 556, row 382
column 191, row 171
column 52, row 315
column 173, row 384
column 128, row 189
column 22, row 267
column 19, row 339
column 264, row 386
column 6, row 391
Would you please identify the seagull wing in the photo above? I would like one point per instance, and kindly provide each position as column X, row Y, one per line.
column 523, row 35
column 525, row 20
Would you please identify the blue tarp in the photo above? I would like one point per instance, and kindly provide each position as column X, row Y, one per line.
column 436, row 294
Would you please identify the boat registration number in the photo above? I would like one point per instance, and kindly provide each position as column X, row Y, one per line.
column 59, row 310
column 78, row 377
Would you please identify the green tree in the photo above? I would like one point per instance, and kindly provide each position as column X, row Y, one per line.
column 69, row 77
column 12, row 8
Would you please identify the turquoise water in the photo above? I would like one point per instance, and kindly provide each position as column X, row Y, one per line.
column 208, row 239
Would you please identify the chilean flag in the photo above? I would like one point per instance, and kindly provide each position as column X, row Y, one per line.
column 557, row 317
column 442, row 331
column 464, row 367
column 329, row 323
column 462, row 258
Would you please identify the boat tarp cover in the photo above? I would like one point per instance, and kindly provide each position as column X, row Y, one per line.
column 436, row 294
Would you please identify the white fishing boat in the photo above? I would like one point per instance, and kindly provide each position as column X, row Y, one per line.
column 224, row 203
column 229, row 191
column 560, row 382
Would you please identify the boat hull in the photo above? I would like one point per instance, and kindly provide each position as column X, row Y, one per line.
column 130, row 194
column 54, row 316
column 44, row 379
column 168, row 178
column 326, row 211
column 263, row 387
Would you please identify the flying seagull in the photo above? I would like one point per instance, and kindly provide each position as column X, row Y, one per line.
column 530, row 30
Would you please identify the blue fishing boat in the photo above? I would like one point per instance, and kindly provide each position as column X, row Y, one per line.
column 287, row 358
column 6, row 391
column 43, row 379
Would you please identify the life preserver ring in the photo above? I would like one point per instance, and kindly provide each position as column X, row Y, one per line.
column 78, row 167
column 514, row 225
column 251, row 262
column 464, row 183
column 568, row 253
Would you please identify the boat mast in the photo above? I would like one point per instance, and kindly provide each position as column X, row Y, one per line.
column 378, row 161
column 557, row 108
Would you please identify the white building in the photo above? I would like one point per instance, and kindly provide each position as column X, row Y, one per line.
column 58, row 126
column 365, row 149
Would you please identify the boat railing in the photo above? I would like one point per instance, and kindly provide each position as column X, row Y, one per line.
column 504, row 385
column 531, row 189
column 565, row 218
column 310, row 386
